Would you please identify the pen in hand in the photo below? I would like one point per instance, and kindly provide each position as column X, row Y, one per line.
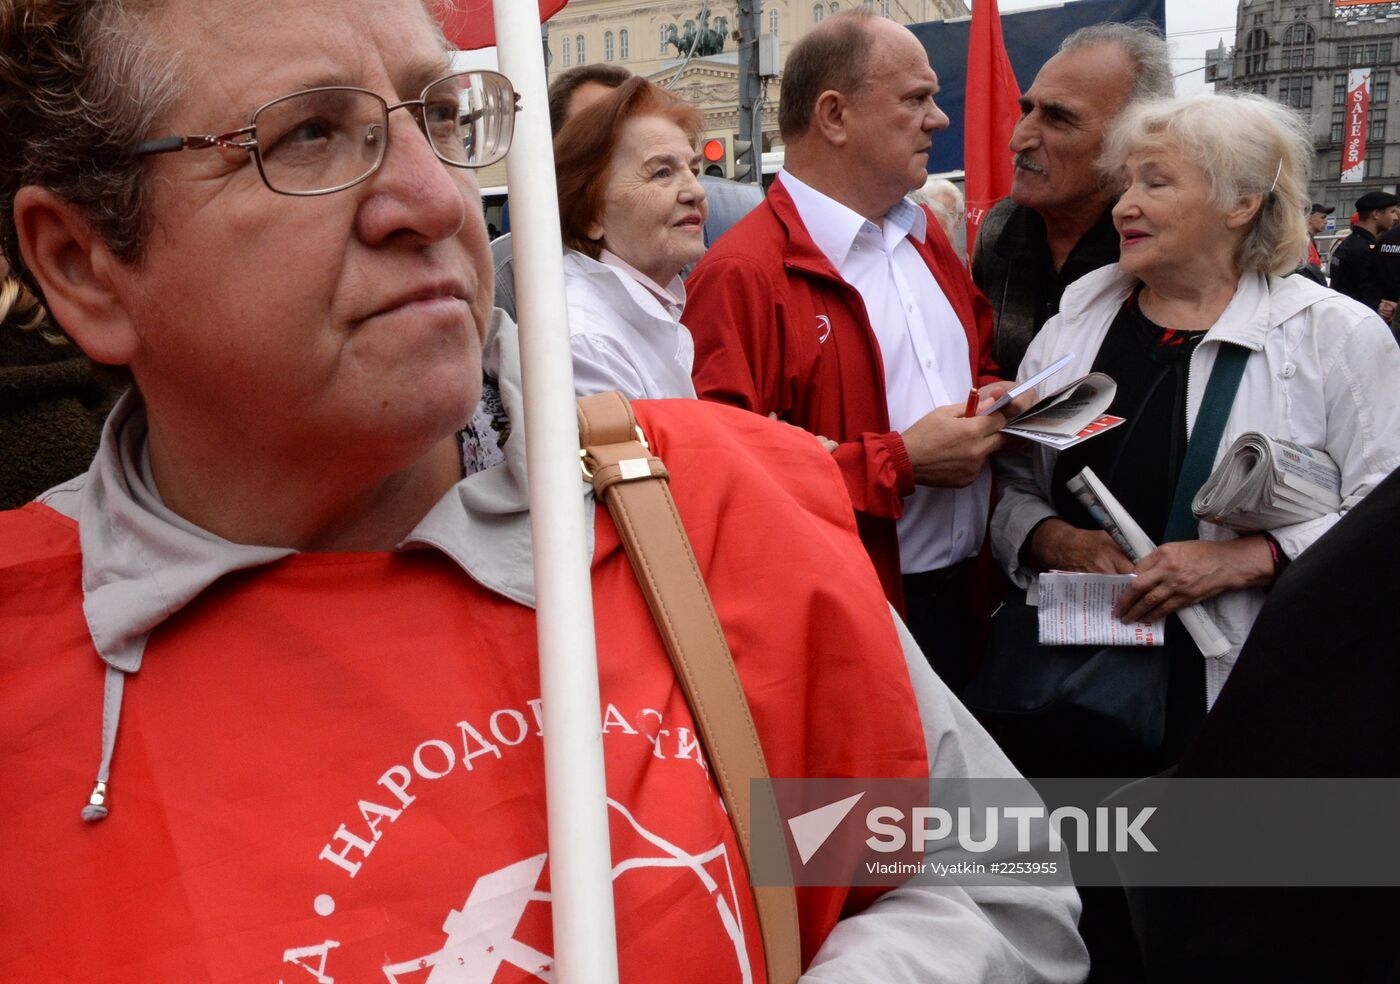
column 973, row 398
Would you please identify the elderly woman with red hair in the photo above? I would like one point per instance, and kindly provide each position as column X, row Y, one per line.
column 632, row 211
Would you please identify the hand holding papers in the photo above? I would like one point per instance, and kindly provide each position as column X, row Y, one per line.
column 1111, row 515
column 1071, row 414
column 1077, row 610
column 1263, row 483
column 1029, row 384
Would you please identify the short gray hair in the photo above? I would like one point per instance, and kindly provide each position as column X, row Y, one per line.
column 836, row 55
column 1245, row 145
column 1146, row 48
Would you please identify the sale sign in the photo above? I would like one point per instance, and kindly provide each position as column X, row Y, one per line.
column 1354, row 140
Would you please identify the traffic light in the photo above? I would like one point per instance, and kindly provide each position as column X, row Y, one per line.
column 744, row 160
column 716, row 156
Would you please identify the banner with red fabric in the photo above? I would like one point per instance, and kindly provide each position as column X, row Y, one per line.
column 992, row 109
column 470, row 24
column 1358, row 109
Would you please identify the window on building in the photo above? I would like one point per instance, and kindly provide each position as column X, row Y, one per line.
column 664, row 30
column 608, row 52
column 818, row 12
column 568, row 50
column 1377, row 129
column 1258, row 18
column 773, row 23
column 622, row 44
column 1339, row 122
column 1380, row 88
column 1296, row 91
column 884, row 8
column 835, row 6
column 1339, row 90
column 1256, row 51
column 578, row 49
column 1363, row 54
column 1298, row 47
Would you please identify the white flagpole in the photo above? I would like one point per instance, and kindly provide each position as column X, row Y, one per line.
column 580, row 857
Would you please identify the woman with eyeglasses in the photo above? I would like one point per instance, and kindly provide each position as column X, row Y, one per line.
column 632, row 212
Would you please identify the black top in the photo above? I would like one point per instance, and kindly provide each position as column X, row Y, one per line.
column 1387, row 258
column 1353, row 268
column 1139, row 460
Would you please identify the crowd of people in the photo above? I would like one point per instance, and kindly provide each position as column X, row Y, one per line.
column 272, row 612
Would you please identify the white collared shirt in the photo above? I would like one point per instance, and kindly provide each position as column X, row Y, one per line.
column 671, row 297
column 924, row 350
column 624, row 330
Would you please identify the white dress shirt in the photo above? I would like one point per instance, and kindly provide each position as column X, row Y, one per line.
column 624, row 330
column 924, row 350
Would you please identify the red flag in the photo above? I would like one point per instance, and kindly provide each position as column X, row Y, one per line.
column 471, row 25
column 991, row 112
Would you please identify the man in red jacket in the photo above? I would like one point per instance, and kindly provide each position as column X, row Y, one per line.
column 838, row 306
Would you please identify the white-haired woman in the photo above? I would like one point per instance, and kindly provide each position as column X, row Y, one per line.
column 945, row 201
column 1211, row 221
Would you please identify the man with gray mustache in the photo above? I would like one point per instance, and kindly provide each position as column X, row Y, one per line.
column 1056, row 227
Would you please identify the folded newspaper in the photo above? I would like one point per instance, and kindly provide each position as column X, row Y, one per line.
column 1071, row 414
column 1077, row 610
column 1263, row 483
column 1109, row 513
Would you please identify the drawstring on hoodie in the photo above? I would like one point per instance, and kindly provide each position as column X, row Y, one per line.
column 115, row 680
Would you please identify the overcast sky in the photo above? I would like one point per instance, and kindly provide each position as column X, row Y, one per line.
column 1192, row 27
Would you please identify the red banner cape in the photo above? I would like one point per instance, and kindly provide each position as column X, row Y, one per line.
column 470, row 24
column 991, row 114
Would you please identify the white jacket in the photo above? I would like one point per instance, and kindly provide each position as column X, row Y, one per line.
column 1324, row 372
column 621, row 336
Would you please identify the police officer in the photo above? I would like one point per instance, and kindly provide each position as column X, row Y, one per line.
column 1388, row 268
column 1354, row 269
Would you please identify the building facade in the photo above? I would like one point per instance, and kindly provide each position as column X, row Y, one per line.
column 1300, row 52
column 640, row 36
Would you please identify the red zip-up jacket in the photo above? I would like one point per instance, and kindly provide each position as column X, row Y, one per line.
column 777, row 330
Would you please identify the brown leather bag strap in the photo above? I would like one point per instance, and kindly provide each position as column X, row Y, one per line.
column 633, row 484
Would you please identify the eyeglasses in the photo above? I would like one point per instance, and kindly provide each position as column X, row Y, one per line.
column 324, row 140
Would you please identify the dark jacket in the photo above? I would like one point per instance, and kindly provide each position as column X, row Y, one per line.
column 1353, row 269
column 51, row 413
column 1313, row 694
column 1011, row 264
column 1387, row 257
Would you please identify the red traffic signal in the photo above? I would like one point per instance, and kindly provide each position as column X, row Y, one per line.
column 713, row 150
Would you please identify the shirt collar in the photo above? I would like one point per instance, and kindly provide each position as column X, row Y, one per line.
column 834, row 227
column 671, row 297
column 142, row 562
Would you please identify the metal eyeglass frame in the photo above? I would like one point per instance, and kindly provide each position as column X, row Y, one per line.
column 203, row 141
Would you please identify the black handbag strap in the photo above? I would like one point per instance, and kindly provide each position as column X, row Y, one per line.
column 1219, row 397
